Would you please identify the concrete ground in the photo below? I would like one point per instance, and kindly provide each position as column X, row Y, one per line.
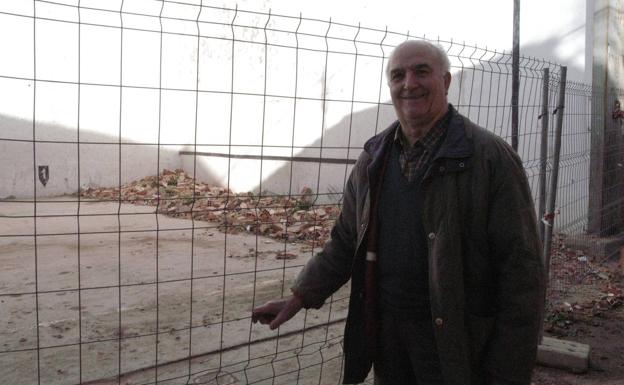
column 104, row 293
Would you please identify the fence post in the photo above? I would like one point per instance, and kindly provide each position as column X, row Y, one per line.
column 613, row 169
column 515, row 75
column 550, row 211
column 543, row 152
column 606, row 210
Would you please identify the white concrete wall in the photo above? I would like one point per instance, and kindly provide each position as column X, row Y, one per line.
column 247, row 123
column 118, row 132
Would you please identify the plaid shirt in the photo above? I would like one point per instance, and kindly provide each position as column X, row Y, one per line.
column 413, row 158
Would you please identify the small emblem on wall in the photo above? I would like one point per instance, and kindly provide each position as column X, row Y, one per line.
column 44, row 174
column 617, row 113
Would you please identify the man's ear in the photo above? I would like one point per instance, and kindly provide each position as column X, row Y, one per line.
column 447, row 80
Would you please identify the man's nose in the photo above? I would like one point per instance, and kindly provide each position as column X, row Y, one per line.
column 410, row 81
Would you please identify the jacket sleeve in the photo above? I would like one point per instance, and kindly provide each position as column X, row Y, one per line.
column 515, row 251
column 328, row 270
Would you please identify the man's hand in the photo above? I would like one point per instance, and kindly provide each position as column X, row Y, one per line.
column 277, row 312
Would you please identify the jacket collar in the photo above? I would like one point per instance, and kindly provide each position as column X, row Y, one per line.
column 457, row 143
column 378, row 147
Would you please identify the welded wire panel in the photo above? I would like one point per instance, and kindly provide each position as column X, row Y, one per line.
column 169, row 166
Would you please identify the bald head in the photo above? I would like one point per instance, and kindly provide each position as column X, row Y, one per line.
column 438, row 52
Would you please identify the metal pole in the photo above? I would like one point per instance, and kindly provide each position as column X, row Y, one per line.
column 543, row 152
column 550, row 216
column 515, row 75
column 598, row 177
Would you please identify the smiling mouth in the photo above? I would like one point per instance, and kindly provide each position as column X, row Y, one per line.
column 413, row 97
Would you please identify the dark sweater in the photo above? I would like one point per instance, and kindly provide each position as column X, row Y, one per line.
column 402, row 247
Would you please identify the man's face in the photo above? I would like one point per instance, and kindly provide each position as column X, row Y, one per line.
column 418, row 84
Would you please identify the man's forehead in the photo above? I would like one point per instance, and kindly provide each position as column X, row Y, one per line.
column 415, row 63
column 413, row 56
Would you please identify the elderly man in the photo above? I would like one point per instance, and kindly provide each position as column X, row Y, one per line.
column 438, row 236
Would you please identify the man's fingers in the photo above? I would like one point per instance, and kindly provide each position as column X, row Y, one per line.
column 265, row 313
column 280, row 319
column 290, row 308
column 277, row 312
column 263, row 318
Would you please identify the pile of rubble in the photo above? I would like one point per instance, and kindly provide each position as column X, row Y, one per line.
column 581, row 287
column 174, row 193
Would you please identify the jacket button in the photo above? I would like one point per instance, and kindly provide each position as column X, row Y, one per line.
column 431, row 235
column 461, row 164
column 439, row 321
column 441, row 168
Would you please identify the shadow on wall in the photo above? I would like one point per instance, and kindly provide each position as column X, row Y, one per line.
column 98, row 160
column 338, row 148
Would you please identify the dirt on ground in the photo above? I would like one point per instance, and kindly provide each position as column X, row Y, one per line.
column 605, row 336
column 106, row 291
column 585, row 305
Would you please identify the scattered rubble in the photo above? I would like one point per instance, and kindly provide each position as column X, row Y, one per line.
column 582, row 289
column 292, row 218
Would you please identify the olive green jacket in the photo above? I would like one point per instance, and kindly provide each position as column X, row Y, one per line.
column 486, row 276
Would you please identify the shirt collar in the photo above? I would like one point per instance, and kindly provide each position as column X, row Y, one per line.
column 430, row 139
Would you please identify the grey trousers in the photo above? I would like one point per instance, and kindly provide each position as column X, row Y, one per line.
column 407, row 353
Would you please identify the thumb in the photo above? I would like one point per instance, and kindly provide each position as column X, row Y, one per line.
column 292, row 307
